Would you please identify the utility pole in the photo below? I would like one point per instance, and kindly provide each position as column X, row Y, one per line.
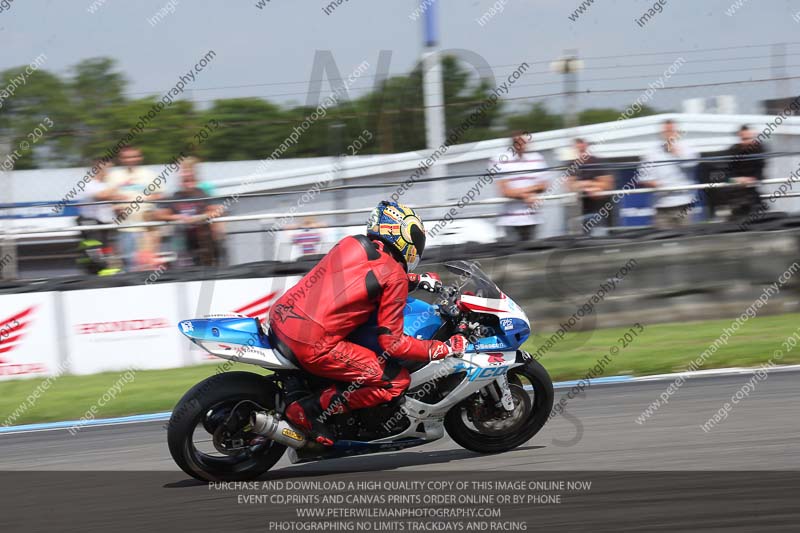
column 568, row 66
column 433, row 95
column 336, row 150
column 782, row 87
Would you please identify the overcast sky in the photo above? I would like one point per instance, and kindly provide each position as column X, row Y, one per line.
column 264, row 49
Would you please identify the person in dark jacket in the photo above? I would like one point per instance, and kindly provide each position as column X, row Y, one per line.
column 747, row 170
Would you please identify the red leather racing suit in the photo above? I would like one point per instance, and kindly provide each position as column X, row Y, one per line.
column 354, row 280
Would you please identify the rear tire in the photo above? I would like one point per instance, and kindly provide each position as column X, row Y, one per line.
column 227, row 388
column 531, row 373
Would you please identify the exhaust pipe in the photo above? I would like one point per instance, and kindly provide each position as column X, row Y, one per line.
column 280, row 431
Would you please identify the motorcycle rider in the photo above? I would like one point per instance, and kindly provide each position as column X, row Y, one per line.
column 359, row 278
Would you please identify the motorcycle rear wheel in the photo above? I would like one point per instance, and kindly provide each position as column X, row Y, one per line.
column 480, row 437
column 203, row 408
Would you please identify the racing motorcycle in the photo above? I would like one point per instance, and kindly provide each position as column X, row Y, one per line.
column 230, row 427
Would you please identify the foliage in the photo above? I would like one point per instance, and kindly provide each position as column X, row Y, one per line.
column 91, row 113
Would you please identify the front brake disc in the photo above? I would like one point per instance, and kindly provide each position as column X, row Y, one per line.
column 498, row 421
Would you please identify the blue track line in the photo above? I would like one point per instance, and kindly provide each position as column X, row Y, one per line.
column 85, row 423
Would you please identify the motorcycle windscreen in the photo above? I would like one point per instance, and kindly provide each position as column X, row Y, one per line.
column 473, row 279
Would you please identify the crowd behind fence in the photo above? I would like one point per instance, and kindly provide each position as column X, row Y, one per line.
column 192, row 226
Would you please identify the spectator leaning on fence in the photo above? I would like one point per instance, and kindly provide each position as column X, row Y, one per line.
column 200, row 244
column 519, row 219
column 672, row 208
column 588, row 181
column 746, row 169
column 130, row 180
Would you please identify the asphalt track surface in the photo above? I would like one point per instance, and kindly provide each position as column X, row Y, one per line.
column 599, row 436
column 762, row 432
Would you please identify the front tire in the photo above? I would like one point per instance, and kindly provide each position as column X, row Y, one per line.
column 203, row 409
column 462, row 426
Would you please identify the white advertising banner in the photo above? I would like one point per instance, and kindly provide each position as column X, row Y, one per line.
column 28, row 343
column 124, row 327
column 250, row 297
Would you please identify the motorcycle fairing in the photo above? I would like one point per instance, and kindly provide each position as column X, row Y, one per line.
column 513, row 330
column 236, row 338
column 427, row 420
column 420, row 319
column 480, row 369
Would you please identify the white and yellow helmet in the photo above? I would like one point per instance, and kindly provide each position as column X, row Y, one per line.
column 399, row 226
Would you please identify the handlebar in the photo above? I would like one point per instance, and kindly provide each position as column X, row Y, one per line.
column 450, row 310
column 448, row 305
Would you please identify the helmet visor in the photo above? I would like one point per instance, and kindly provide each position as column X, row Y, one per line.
column 418, row 239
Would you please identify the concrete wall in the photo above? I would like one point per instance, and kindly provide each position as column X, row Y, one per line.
column 692, row 278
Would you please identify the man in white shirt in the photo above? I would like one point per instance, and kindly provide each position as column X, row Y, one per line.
column 519, row 216
column 130, row 181
column 672, row 208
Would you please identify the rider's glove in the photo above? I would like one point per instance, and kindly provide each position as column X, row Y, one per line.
column 454, row 347
column 429, row 281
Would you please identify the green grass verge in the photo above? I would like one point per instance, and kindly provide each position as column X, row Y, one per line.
column 658, row 349
column 663, row 348
column 70, row 397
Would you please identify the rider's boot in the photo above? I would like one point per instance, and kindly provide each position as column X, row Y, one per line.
column 306, row 413
column 334, row 401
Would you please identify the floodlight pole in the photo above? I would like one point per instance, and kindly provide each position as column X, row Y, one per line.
column 433, row 94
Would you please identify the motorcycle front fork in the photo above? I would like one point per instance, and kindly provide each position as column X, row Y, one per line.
column 501, row 393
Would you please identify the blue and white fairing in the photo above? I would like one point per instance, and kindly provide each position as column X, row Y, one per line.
column 479, row 294
column 513, row 327
column 422, row 321
column 234, row 337
column 243, row 339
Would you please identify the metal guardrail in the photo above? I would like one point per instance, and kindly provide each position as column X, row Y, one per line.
column 64, row 231
column 9, row 239
column 561, row 167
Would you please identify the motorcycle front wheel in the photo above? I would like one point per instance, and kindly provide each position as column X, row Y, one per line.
column 480, row 427
column 208, row 431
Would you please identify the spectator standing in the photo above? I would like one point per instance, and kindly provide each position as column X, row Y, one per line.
column 96, row 246
column 673, row 207
column 200, row 245
column 589, row 181
column 520, row 216
column 747, row 170
column 130, row 180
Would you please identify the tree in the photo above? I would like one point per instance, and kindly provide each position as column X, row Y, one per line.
column 598, row 115
column 645, row 111
column 97, row 93
column 41, row 99
column 91, row 114
column 395, row 111
column 536, row 120
column 249, row 128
